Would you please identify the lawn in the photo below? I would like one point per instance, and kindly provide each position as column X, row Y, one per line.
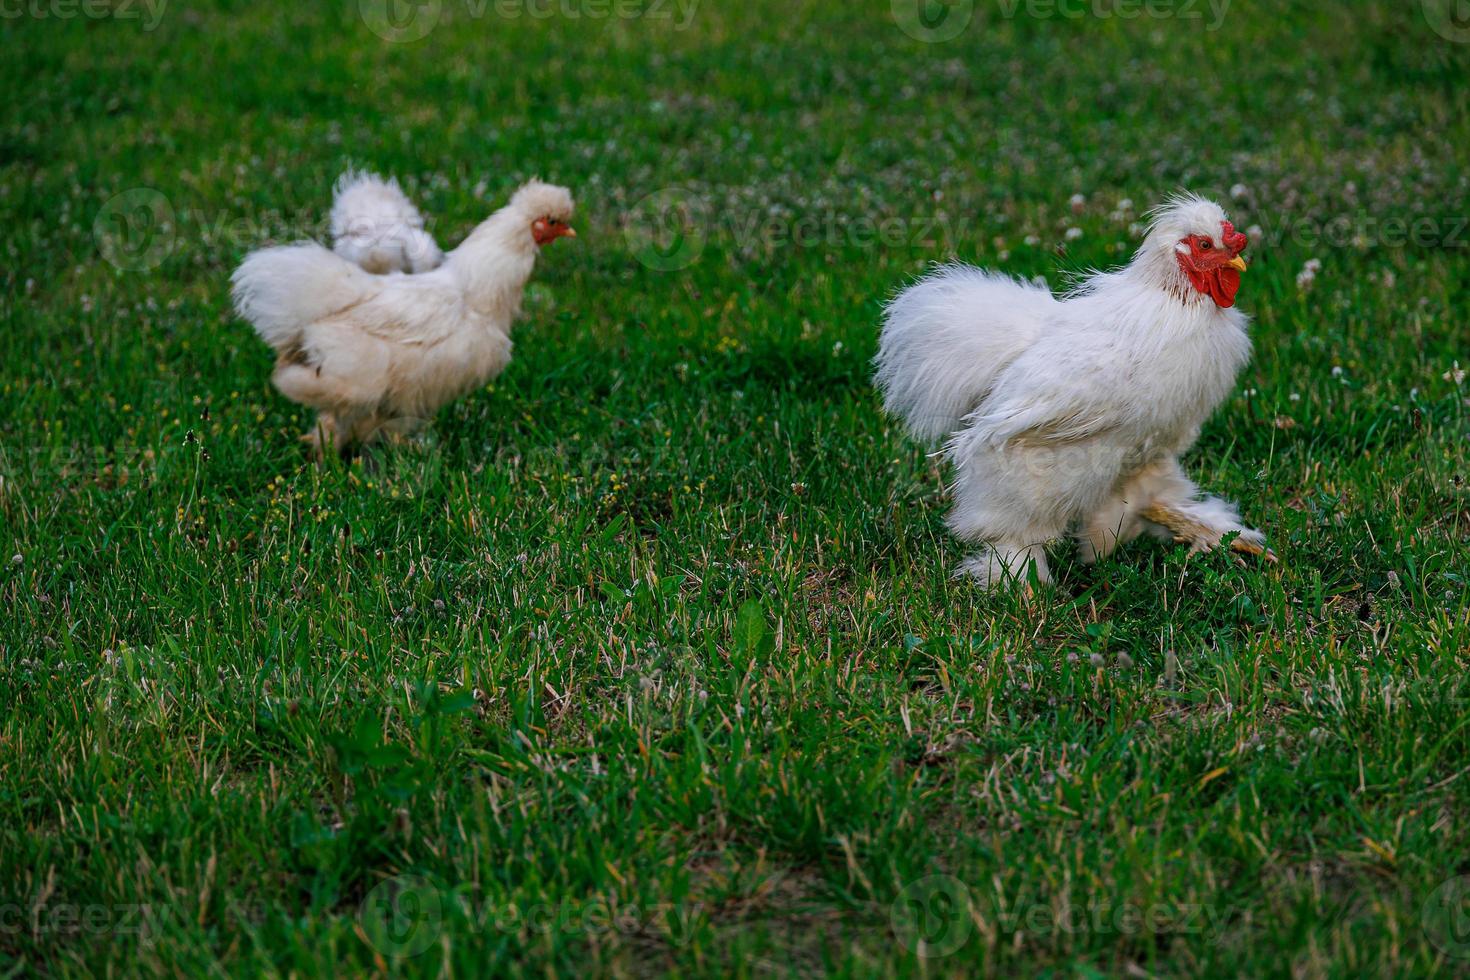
column 647, row 658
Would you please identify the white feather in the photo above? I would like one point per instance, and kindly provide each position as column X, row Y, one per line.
column 375, row 225
column 1071, row 413
column 946, row 338
column 372, row 352
column 280, row 290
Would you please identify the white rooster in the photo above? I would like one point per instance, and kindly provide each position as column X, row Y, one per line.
column 1072, row 413
column 375, row 225
column 373, row 353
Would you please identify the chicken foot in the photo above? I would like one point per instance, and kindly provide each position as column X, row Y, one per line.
column 1188, row 530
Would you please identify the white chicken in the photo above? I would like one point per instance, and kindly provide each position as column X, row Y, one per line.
column 1071, row 413
column 375, row 225
column 383, row 353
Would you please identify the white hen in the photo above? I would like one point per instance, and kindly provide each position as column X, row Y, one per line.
column 386, row 352
column 1072, row 413
column 375, row 225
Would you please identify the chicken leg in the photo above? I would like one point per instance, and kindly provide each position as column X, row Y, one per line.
column 1161, row 500
column 1188, row 530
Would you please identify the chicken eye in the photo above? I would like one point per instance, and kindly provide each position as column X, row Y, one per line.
column 1205, row 244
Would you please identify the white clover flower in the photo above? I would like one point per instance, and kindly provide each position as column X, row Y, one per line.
column 1455, row 374
column 1308, row 275
column 1240, row 192
column 1073, row 234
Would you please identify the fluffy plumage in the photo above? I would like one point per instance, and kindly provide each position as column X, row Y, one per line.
column 1071, row 413
column 376, row 226
column 372, row 352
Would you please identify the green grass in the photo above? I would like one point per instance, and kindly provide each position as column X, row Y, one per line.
column 647, row 659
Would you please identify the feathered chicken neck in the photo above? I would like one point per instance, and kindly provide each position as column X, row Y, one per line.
column 494, row 263
column 1150, row 289
column 1150, row 302
column 1155, row 266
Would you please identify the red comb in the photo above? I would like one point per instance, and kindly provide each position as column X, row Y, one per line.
column 1233, row 239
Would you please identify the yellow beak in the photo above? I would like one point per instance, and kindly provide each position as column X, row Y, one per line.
column 1238, row 263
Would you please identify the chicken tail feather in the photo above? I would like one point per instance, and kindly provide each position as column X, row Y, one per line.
column 281, row 290
column 946, row 339
column 375, row 225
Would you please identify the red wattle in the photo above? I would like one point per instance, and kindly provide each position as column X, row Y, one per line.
column 1220, row 285
column 1226, row 285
